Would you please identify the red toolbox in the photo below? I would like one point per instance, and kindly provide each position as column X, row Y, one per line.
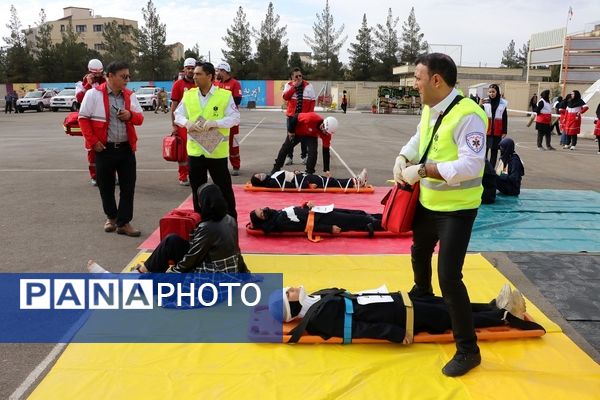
column 179, row 221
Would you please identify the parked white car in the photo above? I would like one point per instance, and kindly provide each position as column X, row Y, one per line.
column 35, row 100
column 65, row 99
column 147, row 97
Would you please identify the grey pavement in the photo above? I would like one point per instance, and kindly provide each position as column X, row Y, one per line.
column 51, row 218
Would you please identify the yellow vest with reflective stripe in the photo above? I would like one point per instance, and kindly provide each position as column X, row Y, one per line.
column 214, row 109
column 436, row 194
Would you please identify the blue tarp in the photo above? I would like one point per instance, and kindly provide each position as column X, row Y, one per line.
column 540, row 220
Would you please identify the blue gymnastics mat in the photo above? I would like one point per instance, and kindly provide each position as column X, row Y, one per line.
column 540, row 220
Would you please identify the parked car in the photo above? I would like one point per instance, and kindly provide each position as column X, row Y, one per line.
column 65, row 99
column 35, row 100
column 147, row 97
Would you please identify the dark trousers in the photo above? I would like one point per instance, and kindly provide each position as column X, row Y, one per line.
column 344, row 107
column 492, row 143
column 8, row 107
column 122, row 162
column 453, row 231
column 219, row 172
column 544, row 131
column 571, row 140
column 291, row 128
column 312, row 145
column 169, row 251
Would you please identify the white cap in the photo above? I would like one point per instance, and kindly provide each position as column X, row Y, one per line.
column 224, row 66
column 330, row 124
column 95, row 66
column 189, row 62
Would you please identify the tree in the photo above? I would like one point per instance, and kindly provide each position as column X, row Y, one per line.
column 361, row 53
column 271, row 47
column 44, row 51
column 19, row 61
column 510, row 57
column 386, row 48
column 413, row 44
column 523, row 54
column 72, row 56
column 325, row 44
column 296, row 62
column 238, row 39
column 154, row 61
column 118, row 40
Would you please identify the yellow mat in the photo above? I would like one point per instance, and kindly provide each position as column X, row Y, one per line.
column 551, row 367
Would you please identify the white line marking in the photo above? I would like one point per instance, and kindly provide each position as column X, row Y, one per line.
column 248, row 134
column 79, row 170
column 335, row 153
column 37, row 371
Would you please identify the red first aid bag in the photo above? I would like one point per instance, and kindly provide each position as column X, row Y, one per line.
column 399, row 211
column 173, row 149
column 179, row 221
column 71, row 124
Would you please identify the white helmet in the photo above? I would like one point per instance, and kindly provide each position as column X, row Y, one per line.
column 224, row 66
column 95, row 66
column 189, row 62
column 330, row 124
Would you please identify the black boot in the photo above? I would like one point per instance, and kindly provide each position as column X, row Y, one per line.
column 461, row 363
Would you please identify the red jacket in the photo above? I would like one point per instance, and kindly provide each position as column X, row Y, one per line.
column 94, row 115
column 308, row 125
column 308, row 98
column 597, row 128
column 573, row 119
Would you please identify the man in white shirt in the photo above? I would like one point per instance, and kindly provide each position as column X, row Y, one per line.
column 447, row 156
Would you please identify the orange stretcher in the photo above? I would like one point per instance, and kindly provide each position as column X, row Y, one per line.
column 367, row 189
column 492, row 333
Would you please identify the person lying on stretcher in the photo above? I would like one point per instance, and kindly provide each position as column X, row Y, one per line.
column 301, row 180
column 384, row 316
column 326, row 219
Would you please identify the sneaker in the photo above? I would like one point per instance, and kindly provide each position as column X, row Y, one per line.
column 289, row 160
column 551, row 148
column 599, row 152
column 362, row 178
column 93, row 182
column 304, row 160
column 235, row 172
column 566, row 146
column 461, row 363
column 572, row 148
column 541, row 149
column 516, row 306
column 116, row 180
column 184, row 183
column 503, row 297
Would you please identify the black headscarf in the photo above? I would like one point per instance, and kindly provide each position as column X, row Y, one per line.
column 213, row 206
column 576, row 101
column 507, row 151
column 565, row 102
column 545, row 95
column 268, row 224
column 496, row 100
column 257, row 182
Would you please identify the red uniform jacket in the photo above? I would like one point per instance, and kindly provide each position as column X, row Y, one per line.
column 308, row 125
column 308, row 98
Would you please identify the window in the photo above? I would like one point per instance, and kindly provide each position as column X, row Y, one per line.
column 97, row 28
column 80, row 28
column 99, row 46
column 62, row 28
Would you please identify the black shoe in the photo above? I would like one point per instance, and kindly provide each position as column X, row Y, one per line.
column 461, row 364
column 417, row 291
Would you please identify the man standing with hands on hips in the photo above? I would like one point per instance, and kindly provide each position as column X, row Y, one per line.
column 452, row 134
column 107, row 117
column 204, row 108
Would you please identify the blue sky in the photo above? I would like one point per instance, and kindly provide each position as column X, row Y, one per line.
column 483, row 29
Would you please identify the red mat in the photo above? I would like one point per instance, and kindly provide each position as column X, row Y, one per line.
column 248, row 201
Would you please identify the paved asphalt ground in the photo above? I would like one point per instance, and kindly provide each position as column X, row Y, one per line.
column 51, row 218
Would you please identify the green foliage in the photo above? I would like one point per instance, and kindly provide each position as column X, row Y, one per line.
column 326, row 44
column 44, row 51
column 386, row 48
column 238, row 40
column 118, row 43
column 72, row 56
column 18, row 60
column 154, row 60
column 510, row 58
column 413, row 44
column 296, row 62
column 361, row 53
column 271, row 48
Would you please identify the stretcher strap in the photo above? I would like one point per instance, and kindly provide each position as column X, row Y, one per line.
column 410, row 318
column 348, row 320
column 325, row 184
column 299, row 186
column 310, row 226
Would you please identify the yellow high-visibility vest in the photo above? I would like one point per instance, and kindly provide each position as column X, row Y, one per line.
column 213, row 110
column 436, row 194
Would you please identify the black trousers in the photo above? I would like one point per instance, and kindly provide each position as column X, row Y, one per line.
column 8, row 107
column 544, row 131
column 312, row 145
column 121, row 161
column 453, row 231
column 219, row 172
column 492, row 143
column 170, row 250
column 291, row 127
column 572, row 140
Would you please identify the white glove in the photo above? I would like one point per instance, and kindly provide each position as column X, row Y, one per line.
column 411, row 175
column 211, row 123
column 399, row 167
column 192, row 126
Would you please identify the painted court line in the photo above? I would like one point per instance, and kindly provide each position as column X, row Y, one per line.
column 252, row 130
column 37, row 371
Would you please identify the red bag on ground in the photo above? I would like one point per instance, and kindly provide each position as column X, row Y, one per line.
column 71, row 124
column 399, row 211
column 173, row 149
column 179, row 221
